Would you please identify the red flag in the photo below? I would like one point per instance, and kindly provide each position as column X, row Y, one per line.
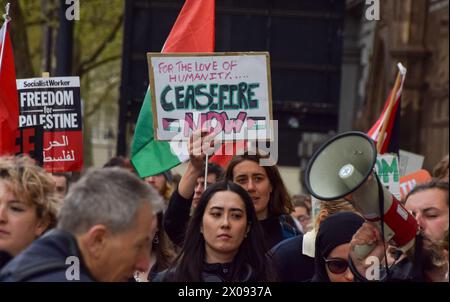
column 387, row 123
column 226, row 152
column 194, row 29
column 194, row 32
column 9, row 106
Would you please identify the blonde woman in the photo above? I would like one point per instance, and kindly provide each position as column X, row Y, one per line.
column 28, row 203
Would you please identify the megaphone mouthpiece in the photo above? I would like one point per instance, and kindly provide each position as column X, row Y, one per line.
column 350, row 176
column 346, row 171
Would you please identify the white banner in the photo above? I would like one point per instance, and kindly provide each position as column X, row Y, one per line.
column 387, row 169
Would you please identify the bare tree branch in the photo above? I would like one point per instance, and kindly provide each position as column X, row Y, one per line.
column 102, row 99
column 101, row 47
column 97, row 64
column 19, row 39
column 36, row 22
column 46, row 18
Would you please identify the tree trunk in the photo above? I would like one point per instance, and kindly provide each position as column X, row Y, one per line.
column 18, row 34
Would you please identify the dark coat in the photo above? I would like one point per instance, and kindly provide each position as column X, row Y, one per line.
column 45, row 261
column 217, row 272
column 176, row 217
column 290, row 262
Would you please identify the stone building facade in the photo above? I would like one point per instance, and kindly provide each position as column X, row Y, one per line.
column 414, row 32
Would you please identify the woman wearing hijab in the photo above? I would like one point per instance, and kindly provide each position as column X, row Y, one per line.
column 333, row 247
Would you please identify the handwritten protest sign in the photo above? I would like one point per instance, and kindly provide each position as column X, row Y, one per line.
column 410, row 181
column 409, row 162
column 387, row 169
column 50, row 112
column 228, row 93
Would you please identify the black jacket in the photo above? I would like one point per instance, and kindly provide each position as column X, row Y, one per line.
column 45, row 261
column 290, row 262
column 278, row 228
column 217, row 272
column 176, row 219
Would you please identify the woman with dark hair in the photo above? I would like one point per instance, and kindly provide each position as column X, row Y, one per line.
column 333, row 247
column 269, row 195
column 162, row 253
column 224, row 241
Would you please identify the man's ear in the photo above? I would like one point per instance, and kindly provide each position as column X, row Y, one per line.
column 95, row 240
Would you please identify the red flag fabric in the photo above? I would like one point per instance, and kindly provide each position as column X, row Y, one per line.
column 194, row 32
column 226, row 152
column 9, row 106
column 390, row 118
column 194, row 29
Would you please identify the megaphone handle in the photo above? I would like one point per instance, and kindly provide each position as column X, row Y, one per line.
column 381, row 204
column 361, row 251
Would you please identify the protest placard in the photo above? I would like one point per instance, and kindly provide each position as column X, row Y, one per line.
column 50, row 114
column 228, row 93
column 409, row 162
column 387, row 169
column 410, row 181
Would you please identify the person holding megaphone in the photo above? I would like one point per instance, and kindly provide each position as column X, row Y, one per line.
column 428, row 261
column 343, row 168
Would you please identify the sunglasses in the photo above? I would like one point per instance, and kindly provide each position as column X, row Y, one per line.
column 337, row 265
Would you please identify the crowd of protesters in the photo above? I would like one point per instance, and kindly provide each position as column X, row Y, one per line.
column 112, row 225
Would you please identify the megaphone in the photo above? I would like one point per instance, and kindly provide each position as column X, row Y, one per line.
column 343, row 168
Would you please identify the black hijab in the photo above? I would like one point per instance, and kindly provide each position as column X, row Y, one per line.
column 335, row 230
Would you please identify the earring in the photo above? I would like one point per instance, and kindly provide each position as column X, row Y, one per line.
column 156, row 238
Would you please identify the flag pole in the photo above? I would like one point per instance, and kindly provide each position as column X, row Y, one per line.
column 206, row 172
column 7, row 19
column 392, row 99
column 6, row 15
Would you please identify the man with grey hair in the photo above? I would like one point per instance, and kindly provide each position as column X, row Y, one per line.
column 104, row 233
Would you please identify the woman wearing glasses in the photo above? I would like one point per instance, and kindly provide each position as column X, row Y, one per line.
column 333, row 247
